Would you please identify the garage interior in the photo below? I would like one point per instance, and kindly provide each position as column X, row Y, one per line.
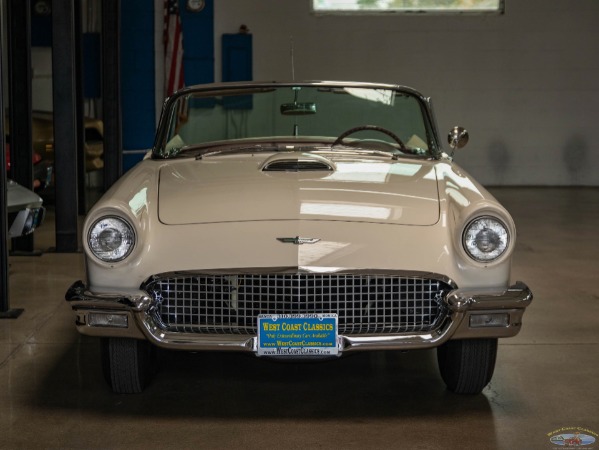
column 523, row 82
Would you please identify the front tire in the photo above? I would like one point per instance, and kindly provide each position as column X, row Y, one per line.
column 467, row 365
column 128, row 364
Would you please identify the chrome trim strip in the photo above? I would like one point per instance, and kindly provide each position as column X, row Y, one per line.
column 301, row 269
column 402, row 342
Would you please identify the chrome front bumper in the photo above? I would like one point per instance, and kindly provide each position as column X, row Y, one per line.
column 494, row 313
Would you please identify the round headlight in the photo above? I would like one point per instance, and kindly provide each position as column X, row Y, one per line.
column 485, row 239
column 111, row 239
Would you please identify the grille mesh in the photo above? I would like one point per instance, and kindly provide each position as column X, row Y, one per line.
column 365, row 304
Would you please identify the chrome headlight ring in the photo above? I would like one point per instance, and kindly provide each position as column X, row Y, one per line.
column 111, row 238
column 485, row 239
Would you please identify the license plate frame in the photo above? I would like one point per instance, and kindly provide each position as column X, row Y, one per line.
column 288, row 335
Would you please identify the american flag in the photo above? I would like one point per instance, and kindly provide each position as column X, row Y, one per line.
column 173, row 48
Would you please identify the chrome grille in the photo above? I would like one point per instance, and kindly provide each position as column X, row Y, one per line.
column 365, row 304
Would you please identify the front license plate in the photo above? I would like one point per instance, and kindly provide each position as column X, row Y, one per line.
column 297, row 334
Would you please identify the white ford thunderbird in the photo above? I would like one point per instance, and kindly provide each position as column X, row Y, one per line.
column 299, row 220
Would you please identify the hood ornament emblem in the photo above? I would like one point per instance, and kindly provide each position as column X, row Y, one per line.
column 298, row 240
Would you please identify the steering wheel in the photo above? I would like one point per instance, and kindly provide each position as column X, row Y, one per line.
column 353, row 130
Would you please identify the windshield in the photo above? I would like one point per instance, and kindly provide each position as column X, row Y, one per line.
column 309, row 113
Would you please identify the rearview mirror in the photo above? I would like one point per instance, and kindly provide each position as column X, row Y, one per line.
column 298, row 109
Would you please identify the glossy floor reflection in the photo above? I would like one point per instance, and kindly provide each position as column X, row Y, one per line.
column 52, row 394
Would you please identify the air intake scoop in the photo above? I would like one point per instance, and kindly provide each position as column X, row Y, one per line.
column 299, row 162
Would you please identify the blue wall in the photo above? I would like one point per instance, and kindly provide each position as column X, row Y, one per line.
column 138, row 79
column 198, row 44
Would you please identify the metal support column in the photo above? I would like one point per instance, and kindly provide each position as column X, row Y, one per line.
column 79, row 112
column 19, row 88
column 5, row 311
column 64, row 86
column 111, row 95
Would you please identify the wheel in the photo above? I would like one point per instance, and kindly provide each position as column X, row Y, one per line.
column 128, row 364
column 467, row 365
column 343, row 135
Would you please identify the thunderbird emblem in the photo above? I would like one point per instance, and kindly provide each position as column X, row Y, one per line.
column 298, row 240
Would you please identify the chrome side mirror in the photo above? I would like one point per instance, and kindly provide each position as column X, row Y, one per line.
column 457, row 138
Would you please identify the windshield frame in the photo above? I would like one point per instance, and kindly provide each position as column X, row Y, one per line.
column 158, row 151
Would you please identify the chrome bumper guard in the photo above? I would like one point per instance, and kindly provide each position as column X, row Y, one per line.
column 496, row 313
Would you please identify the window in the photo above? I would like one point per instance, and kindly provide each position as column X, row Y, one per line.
column 407, row 6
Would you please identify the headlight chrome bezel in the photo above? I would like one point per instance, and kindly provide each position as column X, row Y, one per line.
column 498, row 229
column 124, row 232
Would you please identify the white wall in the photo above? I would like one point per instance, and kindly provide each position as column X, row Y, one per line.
column 525, row 84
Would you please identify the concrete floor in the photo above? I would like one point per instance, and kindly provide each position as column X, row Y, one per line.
column 52, row 394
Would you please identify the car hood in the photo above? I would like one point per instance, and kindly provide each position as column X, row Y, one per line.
column 243, row 188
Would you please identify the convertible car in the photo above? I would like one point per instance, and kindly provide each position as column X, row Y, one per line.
column 299, row 221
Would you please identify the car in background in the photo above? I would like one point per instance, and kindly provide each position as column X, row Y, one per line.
column 43, row 139
column 303, row 221
column 43, row 147
column 24, row 208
